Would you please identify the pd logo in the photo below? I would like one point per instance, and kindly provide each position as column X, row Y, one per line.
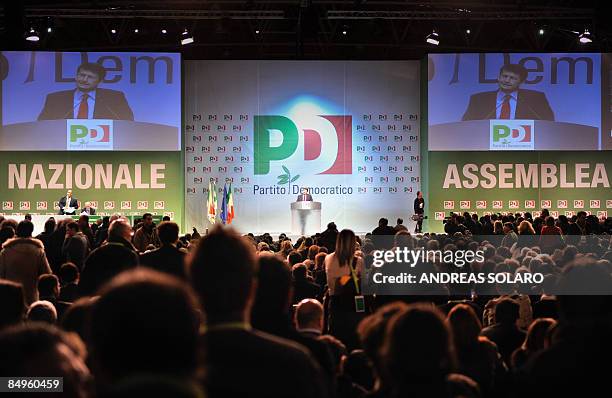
column 159, row 205
column 24, row 205
column 498, row 204
column 511, row 135
column 530, row 204
column 7, row 205
column 41, row 205
column 439, row 215
column 595, row 204
column 546, row 203
column 465, row 204
column 579, row 204
column 327, row 150
column 142, row 205
column 126, row 205
column 89, row 135
column 481, row 204
column 109, row 205
column 513, row 204
column 562, row 204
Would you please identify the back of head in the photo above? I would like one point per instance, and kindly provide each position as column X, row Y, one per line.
column 48, row 285
column 13, row 306
column 42, row 311
column 119, row 229
column 50, row 225
column 24, row 229
column 68, row 273
column 464, row 324
column 309, row 314
column 383, row 222
column 550, row 221
column 345, row 246
column 371, row 330
column 273, row 288
column 507, row 311
column 299, row 272
column 36, row 349
column 144, row 322
column 417, row 345
column 223, row 270
column 168, row 232
column 294, row 257
column 358, row 367
column 537, row 333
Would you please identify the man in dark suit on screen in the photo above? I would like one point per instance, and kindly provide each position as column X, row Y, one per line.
column 509, row 101
column 304, row 196
column 87, row 101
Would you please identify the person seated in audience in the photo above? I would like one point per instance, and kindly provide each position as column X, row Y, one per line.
column 49, row 289
column 477, row 356
column 69, row 279
column 39, row 350
column 13, row 308
column 356, row 369
column 570, row 365
column 535, row 341
column 42, row 311
column 303, row 287
column 76, row 246
column 168, row 258
column 23, row 260
column 239, row 360
column 547, row 306
column 75, row 317
column 505, row 333
column 145, row 323
column 418, row 358
column 109, row 260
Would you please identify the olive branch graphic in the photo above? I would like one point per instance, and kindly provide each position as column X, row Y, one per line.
column 286, row 178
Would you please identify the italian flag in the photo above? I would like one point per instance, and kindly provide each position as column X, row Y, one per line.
column 230, row 205
column 211, row 202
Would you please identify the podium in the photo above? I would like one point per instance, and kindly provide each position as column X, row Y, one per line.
column 51, row 135
column 473, row 135
column 305, row 218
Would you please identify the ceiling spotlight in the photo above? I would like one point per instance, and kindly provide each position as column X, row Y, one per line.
column 467, row 31
column 541, row 32
column 433, row 38
column 49, row 30
column 585, row 37
column 32, row 35
column 113, row 31
column 136, row 30
column 164, row 31
column 256, row 31
column 186, row 38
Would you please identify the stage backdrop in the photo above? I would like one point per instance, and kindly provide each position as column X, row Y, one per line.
column 349, row 131
column 125, row 156
column 551, row 152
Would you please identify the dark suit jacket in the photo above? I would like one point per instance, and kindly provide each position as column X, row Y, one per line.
column 249, row 363
column 167, row 259
column 304, row 198
column 110, row 104
column 62, row 203
column 530, row 105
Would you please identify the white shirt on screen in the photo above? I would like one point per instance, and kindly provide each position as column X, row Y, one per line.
column 91, row 103
column 500, row 100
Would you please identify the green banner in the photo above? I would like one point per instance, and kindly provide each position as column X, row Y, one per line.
column 129, row 183
column 501, row 182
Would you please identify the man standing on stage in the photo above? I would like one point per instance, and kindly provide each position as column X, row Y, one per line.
column 68, row 204
column 419, row 210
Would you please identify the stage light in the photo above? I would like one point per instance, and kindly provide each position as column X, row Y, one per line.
column 32, row 35
column 186, row 38
column 114, row 31
column 49, row 30
column 541, row 32
column 164, row 31
column 585, row 37
column 467, row 31
column 433, row 38
column 136, row 30
column 256, row 31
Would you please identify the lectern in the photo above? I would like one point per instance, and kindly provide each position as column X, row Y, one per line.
column 305, row 218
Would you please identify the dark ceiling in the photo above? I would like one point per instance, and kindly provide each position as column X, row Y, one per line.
column 307, row 29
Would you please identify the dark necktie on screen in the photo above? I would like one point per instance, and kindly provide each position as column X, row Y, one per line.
column 505, row 109
column 83, row 108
